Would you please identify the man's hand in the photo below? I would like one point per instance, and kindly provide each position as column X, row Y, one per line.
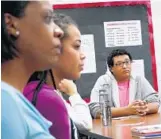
column 143, row 108
column 137, row 107
column 132, row 108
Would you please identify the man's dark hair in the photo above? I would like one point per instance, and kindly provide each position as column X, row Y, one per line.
column 114, row 53
column 8, row 48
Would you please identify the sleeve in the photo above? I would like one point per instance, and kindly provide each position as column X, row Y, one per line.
column 94, row 98
column 13, row 124
column 160, row 102
column 148, row 93
column 94, row 109
column 95, row 91
column 79, row 112
column 51, row 106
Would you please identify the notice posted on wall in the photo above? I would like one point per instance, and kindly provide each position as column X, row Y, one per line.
column 89, row 50
column 123, row 33
column 138, row 67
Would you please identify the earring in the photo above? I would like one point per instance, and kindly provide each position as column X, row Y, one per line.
column 17, row 33
column 57, row 30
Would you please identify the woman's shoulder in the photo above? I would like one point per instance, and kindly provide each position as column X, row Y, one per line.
column 31, row 86
column 47, row 95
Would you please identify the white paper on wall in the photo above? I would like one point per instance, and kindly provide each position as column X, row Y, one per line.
column 138, row 67
column 89, row 50
column 123, row 33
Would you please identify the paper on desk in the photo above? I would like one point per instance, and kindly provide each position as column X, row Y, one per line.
column 126, row 117
column 133, row 120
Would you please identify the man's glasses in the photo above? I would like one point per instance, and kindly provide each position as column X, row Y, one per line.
column 121, row 64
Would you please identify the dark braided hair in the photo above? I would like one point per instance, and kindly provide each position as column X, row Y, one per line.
column 38, row 87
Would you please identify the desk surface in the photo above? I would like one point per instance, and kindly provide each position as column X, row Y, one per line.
column 121, row 129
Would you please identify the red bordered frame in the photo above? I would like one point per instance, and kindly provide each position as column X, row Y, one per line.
column 124, row 3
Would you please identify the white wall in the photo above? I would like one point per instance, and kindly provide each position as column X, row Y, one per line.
column 79, row 1
column 156, row 17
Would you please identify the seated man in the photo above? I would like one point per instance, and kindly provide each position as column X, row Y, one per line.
column 130, row 95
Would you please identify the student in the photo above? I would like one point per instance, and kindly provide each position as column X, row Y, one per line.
column 30, row 42
column 71, row 69
column 128, row 92
column 69, row 66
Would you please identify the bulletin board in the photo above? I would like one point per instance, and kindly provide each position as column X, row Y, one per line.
column 91, row 18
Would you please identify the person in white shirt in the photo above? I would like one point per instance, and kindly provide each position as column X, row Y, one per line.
column 70, row 67
column 78, row 109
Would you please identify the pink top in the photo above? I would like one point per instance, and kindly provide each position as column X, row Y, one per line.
column 52, row 107
column 123, row 93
